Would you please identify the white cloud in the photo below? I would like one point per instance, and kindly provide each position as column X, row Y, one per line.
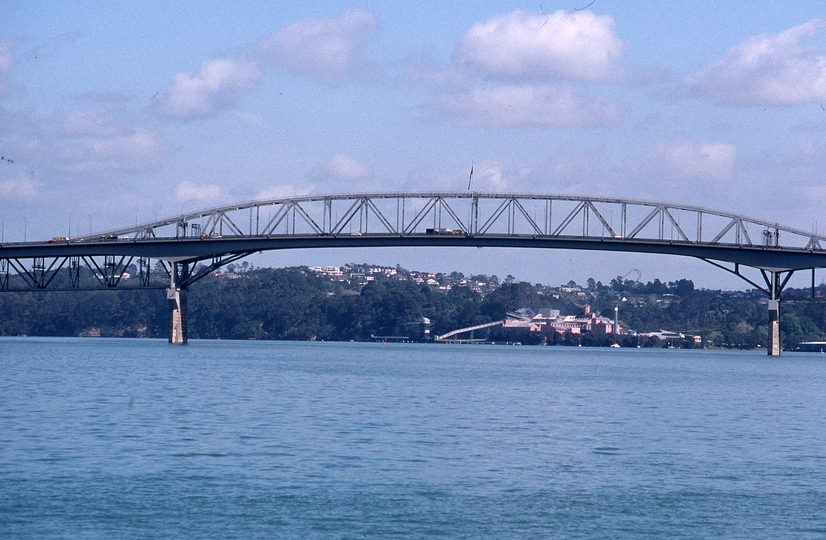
column 509, row 106
column 128, row 151
column 282, row 192
column 82, row 141
column 190, row 192
column 341, row 167
column 577, row 46
column 208, row 91
column 770, row 69
column 131, row 151
column 691, row 161
column 489, row 175
column 20, row 188
column 529, row 56
column 325, row 49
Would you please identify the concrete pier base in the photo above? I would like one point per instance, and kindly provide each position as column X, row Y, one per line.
column 774, row 328
column 177, row 315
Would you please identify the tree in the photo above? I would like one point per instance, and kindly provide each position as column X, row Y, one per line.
column 682, row 287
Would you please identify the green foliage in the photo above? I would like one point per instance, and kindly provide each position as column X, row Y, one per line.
column 295, row 304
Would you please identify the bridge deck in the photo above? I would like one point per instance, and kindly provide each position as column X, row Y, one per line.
column 180, row 249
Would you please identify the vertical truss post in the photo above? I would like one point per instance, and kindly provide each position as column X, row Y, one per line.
column 287, row 208
column 510, row 216
column 143, row 271
column 109, row 270
column 364, row 214
column 39, row 271
column 547, row 217
column 624, row 220
column 662, row 222
column 474, row 228
column 74, row 272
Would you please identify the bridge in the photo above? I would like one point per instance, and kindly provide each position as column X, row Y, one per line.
column 188, row 247
column 446, row 337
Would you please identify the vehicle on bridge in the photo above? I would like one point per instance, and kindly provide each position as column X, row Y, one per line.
column 443, row 230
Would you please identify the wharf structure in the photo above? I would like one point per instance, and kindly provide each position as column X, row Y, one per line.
column 550, row 321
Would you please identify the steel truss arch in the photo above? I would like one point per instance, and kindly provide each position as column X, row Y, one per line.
column 216, row 236
column 409, row 212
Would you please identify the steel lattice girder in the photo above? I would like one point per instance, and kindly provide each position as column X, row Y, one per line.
column 476, row 214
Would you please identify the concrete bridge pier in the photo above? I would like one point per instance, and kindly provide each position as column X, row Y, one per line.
column 774, row 316
column 774, row 328
column 176, row 297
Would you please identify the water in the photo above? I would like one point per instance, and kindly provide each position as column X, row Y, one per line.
column 139, row 439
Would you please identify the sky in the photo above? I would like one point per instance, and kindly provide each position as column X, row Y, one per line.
column 143, row 110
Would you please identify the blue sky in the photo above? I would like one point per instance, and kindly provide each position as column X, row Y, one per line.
column 148, row 109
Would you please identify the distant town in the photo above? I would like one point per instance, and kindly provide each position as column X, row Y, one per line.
column 368, row 302
column 593, row 308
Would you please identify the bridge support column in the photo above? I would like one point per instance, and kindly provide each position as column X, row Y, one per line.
column 176, row 297
column 774, row 328
column 178, row 331
column 774, row 316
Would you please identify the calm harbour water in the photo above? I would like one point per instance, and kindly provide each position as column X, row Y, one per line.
column 139, row 439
